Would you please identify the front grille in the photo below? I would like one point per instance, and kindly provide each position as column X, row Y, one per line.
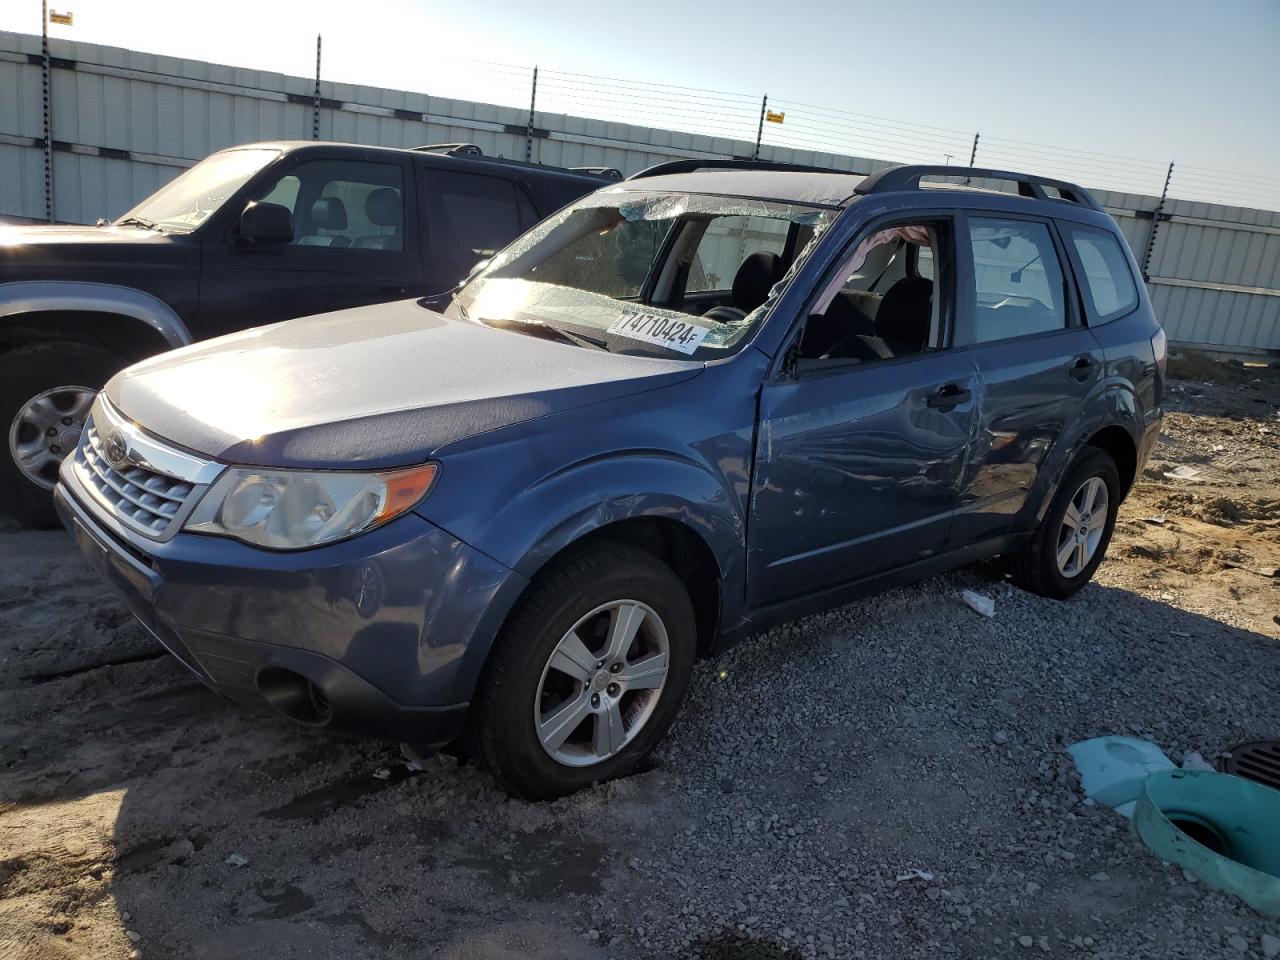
column 141, row 498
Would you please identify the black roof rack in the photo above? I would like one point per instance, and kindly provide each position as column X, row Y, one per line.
column 612, row 173
column 689, row 166
column 451, row 149
column 908, row 176
column 472, row 152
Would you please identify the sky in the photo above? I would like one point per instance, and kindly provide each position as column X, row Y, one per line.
column 1107, row 93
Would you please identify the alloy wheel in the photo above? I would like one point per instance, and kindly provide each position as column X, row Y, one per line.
column 1083, row 524
column 46, row 429
column 602, row 683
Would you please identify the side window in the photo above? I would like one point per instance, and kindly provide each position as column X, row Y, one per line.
column 1017, row 282
column 351, row 204
column 876, row 307
column 727, row 242
column 473, row 212
column 1108, row 281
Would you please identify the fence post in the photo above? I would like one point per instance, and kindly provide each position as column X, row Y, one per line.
column 973, row 154
column 1155, row 225
column 764, row 104
column 315, row 102
column 528, row 137
column 48, row 111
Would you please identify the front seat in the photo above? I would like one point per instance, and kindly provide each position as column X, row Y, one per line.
column 905, row 316
column 384, row 209
column 755, row 278
column 327, row 213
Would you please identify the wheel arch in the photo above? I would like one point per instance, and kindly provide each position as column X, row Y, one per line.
column 128, row 322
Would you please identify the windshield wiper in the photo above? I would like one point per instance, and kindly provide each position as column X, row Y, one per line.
column 137, row 222
column 540, row 329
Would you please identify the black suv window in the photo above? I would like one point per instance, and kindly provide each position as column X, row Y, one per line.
column 474, row 212
column 353, row 204
column 1017, row 282
column 1108, row 281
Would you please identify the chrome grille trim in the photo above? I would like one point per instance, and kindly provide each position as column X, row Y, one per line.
column 151, row 487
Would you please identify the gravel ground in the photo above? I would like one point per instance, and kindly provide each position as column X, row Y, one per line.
column 814, row 771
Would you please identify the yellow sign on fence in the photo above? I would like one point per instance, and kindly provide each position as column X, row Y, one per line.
column 62, row 18
column 775, row 117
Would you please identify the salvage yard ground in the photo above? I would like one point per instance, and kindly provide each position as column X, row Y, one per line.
column 812, row 768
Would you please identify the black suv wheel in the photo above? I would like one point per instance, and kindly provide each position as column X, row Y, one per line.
column 46, row 391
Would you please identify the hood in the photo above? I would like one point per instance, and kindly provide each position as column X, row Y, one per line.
column 378, row 386
column 16, row 236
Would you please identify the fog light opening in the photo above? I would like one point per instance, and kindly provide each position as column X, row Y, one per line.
column 294, row 696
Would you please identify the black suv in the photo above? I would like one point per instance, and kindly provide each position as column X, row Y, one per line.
column 250, row 235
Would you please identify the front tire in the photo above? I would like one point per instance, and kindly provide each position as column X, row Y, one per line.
column 1073, row 535
column 587, row 674
column 46, row 390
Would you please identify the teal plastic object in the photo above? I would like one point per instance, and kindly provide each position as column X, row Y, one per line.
column 1113, row 769
column 1222, row 828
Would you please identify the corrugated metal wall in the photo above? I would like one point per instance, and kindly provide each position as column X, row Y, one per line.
column 127, row 122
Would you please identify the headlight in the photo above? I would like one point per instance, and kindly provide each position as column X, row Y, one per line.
column 292, row 509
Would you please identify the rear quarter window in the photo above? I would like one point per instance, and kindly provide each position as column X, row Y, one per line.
column 1109, row 287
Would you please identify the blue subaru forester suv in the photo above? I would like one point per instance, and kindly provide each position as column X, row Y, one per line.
column 704, row 400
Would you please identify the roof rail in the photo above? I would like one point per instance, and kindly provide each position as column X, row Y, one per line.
column 612, row 172
column 451, row 149
column 689, row 166
column 908, row 176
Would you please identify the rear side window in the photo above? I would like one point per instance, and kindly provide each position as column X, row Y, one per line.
column 1017, row 282
column 470, row 211
column 1108, row 281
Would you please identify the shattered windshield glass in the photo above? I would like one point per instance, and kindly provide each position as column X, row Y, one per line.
column 646, row 273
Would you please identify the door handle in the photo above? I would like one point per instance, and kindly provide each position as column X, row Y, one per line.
column 948, row 396
column 1082, row 369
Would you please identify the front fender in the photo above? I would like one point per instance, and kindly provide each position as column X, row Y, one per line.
column 42, row 296
column 533, row 527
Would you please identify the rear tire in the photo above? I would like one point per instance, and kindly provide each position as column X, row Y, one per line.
column 1065, row 551
column 57, row 374
column 617, row 690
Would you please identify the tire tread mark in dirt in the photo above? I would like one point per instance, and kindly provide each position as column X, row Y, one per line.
column 38, row 678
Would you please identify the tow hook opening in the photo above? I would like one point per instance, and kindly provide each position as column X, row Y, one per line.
column 294, row 696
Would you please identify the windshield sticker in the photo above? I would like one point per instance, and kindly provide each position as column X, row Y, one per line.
column 679, row 335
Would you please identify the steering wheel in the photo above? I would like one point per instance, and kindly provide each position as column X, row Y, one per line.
column 725, row 315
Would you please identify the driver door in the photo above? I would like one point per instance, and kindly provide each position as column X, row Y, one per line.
column 353, row 244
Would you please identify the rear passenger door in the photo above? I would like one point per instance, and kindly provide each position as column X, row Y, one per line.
column 352, row 245
column 467, row 217
column 1019, row 316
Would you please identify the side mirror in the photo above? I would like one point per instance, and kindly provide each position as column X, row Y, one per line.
column 266, row 223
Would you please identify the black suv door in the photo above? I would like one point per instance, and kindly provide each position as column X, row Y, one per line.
column 353, row 244
column 1019, row 317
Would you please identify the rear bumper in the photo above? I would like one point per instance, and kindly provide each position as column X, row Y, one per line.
column 376, row 636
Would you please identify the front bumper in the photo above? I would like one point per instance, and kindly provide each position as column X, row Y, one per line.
column 382, row 635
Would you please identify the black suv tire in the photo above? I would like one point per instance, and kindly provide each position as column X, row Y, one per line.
column 504, row 734
column 26, row 373
column 1036, row 567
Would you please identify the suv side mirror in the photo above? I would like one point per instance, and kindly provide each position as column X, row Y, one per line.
column 266, row 223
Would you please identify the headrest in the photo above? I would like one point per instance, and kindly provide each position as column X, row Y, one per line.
column 329, row 213
column 755, row 278
column 383, row 207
